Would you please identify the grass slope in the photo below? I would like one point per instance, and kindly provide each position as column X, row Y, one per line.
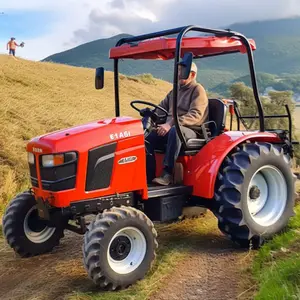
column 37, row 98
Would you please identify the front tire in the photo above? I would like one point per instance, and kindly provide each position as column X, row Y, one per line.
column 119, row 247
column 24, row 231
column 255, row 193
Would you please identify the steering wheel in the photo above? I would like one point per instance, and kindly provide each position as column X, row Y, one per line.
column 132, row 103
column 150, row 117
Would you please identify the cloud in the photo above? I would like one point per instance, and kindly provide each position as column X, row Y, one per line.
column 139, row 16
column 119, row 4
column 102, row 25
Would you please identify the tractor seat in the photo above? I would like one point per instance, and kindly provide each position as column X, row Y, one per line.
column 215, row 125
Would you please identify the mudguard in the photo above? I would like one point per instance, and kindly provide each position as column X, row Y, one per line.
column 201, row 170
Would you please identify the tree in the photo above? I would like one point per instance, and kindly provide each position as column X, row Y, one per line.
column 244, row 97
column 274, row 104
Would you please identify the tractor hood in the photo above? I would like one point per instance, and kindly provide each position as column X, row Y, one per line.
column 84, row 137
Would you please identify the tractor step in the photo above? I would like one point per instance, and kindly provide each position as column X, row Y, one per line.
column 165, row 203
column 155, row 191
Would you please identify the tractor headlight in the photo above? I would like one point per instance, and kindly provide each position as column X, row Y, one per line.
column 51, row 160
column 30, row 158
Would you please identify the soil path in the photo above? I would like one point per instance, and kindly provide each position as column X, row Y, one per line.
column 209, row 275
column 210, row 271
column 44, row 277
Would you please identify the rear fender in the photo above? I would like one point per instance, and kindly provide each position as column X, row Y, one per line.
column 202, row 169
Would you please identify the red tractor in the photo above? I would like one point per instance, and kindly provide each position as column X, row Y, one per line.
column 99, row 169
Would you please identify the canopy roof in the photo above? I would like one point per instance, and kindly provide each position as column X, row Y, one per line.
column 164, row 48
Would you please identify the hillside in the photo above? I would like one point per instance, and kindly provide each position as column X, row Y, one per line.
column 278, row 52
column 41, row 97
column 265, row 82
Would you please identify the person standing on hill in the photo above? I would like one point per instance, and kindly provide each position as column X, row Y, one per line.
column 11, row 46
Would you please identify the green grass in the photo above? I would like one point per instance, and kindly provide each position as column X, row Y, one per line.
column 276, row 267
column 281, row 281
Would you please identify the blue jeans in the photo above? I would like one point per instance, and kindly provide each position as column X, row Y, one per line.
column 12, row 52
column 172, row 146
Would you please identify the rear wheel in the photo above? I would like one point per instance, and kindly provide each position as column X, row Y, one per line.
column 255, row 193
column 24, row 231
column 119, row 247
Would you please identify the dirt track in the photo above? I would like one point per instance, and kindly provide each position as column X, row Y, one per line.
column 211, row 275
column 210, row 271
column 49, row 276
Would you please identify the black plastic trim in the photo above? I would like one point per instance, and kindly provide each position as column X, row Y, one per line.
column 34, row 182
column 100, row 166
column 32, row 169
column 59, row 172
column 155, row 191
column 99, row 204
column 59, row 185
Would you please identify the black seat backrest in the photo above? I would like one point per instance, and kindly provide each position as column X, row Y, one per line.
column 217, row 112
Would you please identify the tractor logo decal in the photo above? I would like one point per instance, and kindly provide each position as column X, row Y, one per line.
column 121, row 135
column 39, row 150
column 127, row 160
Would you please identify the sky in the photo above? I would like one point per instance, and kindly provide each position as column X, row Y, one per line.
column 50, row 26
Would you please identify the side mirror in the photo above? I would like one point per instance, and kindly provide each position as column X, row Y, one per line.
column 186, row 63
column 99, row 78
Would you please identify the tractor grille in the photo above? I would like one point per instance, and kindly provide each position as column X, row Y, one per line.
column 33, row 174
column 59, row 178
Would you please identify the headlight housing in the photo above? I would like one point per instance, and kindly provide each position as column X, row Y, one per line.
column 52, row 160
column 30, row 158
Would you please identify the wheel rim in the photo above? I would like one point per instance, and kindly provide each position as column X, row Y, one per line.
column 35, row 229
column 126, row 250
column 267, row 195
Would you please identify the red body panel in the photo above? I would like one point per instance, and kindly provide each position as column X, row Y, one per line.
column 125, row 177
column 201, row 170
column 164, row 48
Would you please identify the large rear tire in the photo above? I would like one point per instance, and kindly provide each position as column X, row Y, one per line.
column 24, row 231
column 119, row 247
column 254, row 193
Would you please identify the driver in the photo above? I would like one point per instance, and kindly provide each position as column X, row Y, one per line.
column 192, row 111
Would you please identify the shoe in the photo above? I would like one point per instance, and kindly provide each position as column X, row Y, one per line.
column 164, row 179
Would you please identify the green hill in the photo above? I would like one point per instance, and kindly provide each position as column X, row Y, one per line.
column 278, row 52
column 283, row 82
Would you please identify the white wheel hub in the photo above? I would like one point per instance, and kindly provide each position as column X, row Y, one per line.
column 126, row 250
column 267, row 195
column 34, row 228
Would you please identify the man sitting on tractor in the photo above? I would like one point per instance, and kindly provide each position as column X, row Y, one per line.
column 192, row 111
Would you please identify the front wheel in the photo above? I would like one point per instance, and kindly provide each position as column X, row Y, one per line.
column 119, row 247
column 255, row 193
column 24, row 231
